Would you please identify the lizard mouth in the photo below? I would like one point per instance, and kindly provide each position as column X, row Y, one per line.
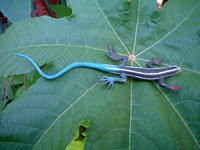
column 178, row 70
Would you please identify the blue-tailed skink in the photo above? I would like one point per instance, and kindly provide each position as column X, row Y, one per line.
column 149, row 73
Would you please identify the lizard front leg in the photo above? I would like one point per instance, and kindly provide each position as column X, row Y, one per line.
column 111, row 80
column 154, row 61
column 112, row 54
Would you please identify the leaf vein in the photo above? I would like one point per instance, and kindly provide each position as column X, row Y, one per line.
column 112, row 27
column 145, row 138
column 136, row 27
column 76, row 101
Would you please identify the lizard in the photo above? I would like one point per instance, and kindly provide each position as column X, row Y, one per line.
column 149, row 73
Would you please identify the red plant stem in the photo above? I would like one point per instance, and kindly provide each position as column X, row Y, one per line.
column 161, row 3
column 164, row 1
column 54, row 2
column 6, row 91
column 3, row 18
column 24, row 82
column 41, row 8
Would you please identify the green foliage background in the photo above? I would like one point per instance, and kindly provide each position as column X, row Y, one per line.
column 135, row 115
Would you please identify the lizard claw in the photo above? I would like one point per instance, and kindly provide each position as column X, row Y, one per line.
column 110, row 85
column 112, row 53
column 174, row 88
column 107, row 80
column 156, row 61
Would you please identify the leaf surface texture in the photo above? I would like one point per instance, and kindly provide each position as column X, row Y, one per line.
column 134, row 115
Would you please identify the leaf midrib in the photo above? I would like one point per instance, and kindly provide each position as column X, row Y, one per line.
column 136, row 28
column 131, row 86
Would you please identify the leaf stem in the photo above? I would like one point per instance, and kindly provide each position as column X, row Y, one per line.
column 25, row 82
column 7, row 88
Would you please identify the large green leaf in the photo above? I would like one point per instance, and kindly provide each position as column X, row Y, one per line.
column 135, row 115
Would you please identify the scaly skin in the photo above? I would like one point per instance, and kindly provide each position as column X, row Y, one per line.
column 148, row 73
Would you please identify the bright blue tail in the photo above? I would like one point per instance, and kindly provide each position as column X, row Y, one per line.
column 97, row 66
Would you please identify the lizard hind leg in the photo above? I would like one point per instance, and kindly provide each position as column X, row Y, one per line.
column 162, row 83
column 111, row 80
column 112, row 54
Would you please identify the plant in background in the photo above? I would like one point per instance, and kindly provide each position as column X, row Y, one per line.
column 137, row 115
column 79, row 141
